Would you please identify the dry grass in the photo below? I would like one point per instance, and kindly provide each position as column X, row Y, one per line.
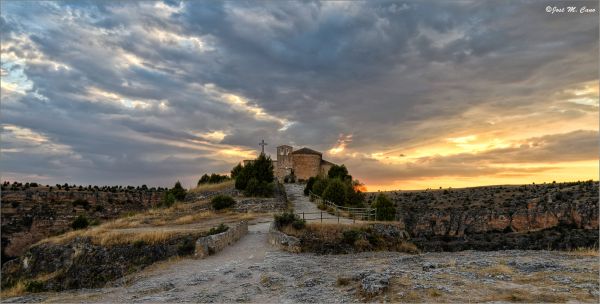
column 525, row 296
column 214, row 187
column 16, row 290
column 497, row 270
column 112, row 238
column 583, row 251
column 20, row 287
column 408, row 247
column 193, row 218
column 154, row 225
column 343, row 281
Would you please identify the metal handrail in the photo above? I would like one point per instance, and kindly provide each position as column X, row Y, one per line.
column 354, row 211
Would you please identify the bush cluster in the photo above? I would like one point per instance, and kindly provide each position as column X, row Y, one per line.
column 219, row 229
column 35, row 286
column 212, row 179
column 337, row 187
column 81, row 202
column 80, row 222
column 6, row 185
column 186, row 246
column 255, row 178
column 386, row 210
column 289, row 218
column 177, row 193
column 222, row 201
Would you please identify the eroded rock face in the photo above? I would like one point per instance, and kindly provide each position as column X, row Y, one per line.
column 464, row 213
column 36, row 213
column 80, row 263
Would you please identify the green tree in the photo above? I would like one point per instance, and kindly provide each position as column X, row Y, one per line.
column 261, row 171
column 340, row 172
column 335, row 192
column 168, row 200
column 309, row 185
column 319, row 186
column 386, row 211
column 178, row 191
column 236, row 171
column 204, row 179
column 222, row 201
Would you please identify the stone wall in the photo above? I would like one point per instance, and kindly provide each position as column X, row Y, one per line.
column 283, row 241
column 260, row 204
column 196, row 196
column 306, row 165
column 211, row 244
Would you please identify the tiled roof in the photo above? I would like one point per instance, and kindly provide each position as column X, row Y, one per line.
column 326, row 162
column 307, row 151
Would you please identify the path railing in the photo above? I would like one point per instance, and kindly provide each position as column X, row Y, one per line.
column 356, row 213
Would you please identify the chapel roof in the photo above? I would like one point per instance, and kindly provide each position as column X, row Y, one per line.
column 307, row 151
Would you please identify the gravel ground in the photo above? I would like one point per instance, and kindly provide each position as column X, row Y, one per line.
column 253, row 271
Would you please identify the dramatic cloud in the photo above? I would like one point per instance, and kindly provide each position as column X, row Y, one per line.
column 408, row 94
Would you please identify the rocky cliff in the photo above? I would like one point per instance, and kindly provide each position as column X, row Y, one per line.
column 82, row 263
column 506, row 212
column 29, row 215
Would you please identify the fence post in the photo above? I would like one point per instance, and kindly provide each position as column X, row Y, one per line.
column 321, row 216
column 338, row 217
column 302, row 215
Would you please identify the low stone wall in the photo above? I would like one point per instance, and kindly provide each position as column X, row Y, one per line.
column 197, row 196
column 257, row 204
column 214, row 243
column 283, row 241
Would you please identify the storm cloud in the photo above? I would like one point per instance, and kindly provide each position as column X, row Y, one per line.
column 151, row 92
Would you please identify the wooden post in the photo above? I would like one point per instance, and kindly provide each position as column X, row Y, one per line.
column 321, row 216
column 302, row 215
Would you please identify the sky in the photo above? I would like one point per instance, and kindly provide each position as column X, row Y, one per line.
column 408, row 95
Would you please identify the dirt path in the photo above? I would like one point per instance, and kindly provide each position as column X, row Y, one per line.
column 295, row 193
column 185, row 279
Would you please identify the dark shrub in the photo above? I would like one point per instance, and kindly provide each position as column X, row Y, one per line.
column 35, row 286
column 261, row 169
column 168, row 200
column 178, row 191
column 350, row 236
column 258, row 188
column 335, row 192
column 339, row 172
column 204, row 179
column 319, row 186
column 286, row 218
column 217, row 178
column 139, row 244
column 81, row 202
column 309, row 185
column 298, row 223
column 386, row 211
column 219, row 229
column 222, row 201
column 99, row 208
column 80, row 222
column 236, row 171
column 186, row 246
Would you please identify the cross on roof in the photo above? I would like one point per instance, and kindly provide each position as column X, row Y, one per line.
column 262, row 144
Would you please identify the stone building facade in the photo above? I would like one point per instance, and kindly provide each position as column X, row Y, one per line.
column 302, row 164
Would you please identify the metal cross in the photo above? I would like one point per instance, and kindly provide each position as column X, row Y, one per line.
column 262, row 144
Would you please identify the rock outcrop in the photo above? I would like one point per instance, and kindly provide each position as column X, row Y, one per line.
column 80, row 263
column 32, row 214
column 505, row 212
